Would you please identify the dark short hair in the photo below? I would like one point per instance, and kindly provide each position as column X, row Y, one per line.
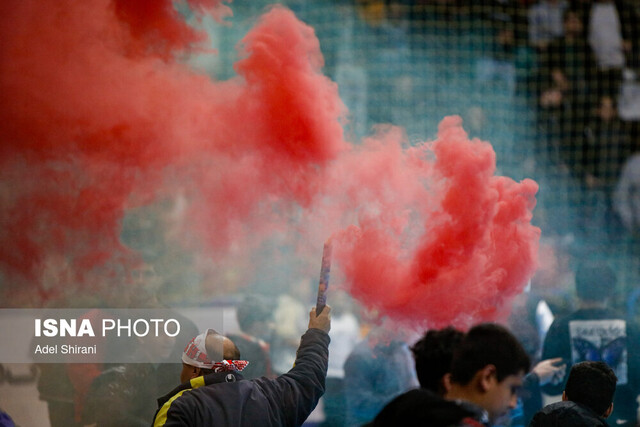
column 594, row 280
column 488, row 344
column 253, row 309
column 433, row 354
column 591, row 384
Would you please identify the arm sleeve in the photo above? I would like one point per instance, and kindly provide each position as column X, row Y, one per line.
column 531, row 397
column 556, row 345
column 295, row 394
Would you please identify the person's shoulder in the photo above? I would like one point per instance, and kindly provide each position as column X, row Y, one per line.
column 567, row 414
column 199, row 406
column 209, row 392
column 586, row 314
column 553, row 411
column 559, row 325
column 603, row 313
column 314, row 336
column 420, row 407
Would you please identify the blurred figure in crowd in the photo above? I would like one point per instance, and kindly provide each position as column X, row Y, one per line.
column 345, row 334
column 545, row 22
column 378, row 369
column 124, row 393
column 626, row 198
column 289, row 323
column 255, row 319
column 566, row 80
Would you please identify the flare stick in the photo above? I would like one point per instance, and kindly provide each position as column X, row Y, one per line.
column 323, row 285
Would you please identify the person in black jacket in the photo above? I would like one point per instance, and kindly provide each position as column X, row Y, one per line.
column 215, row 393
column 487, row 369
column 426, row 405
column 586, row 401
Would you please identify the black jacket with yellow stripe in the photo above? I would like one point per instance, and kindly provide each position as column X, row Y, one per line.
column 227, row 399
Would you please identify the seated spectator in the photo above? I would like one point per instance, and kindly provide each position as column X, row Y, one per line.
column 586, row 400
column 213, row 392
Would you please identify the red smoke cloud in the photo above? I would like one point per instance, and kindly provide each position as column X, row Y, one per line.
column 455, row 247
column 100, row 115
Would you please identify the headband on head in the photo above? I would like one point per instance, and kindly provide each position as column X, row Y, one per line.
column 195, row 354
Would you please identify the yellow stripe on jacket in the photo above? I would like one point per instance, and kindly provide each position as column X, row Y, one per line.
column 161, row 417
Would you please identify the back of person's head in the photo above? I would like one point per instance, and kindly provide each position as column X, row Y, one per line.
column 594, row 280
column 253, row 309
column 488, row 344
column 591, row 384
column 433, row 354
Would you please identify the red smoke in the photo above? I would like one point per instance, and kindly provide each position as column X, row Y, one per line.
column 457, row 244
column 101, row 115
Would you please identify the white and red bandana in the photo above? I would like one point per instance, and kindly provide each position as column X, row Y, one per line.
column 195, row 354
column 229, row 365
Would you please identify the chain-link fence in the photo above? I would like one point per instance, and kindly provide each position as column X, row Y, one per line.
column 553, row 85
